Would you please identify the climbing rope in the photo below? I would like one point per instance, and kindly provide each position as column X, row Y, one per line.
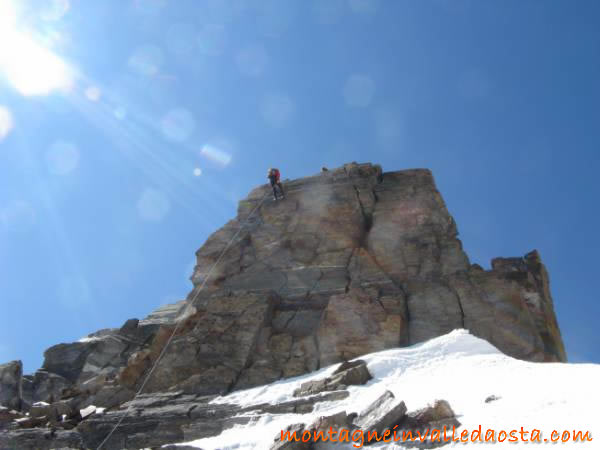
column 191, row 303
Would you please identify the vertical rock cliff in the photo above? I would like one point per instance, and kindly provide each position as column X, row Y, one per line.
column 353, row 261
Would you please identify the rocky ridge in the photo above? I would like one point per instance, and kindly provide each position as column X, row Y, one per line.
column 353, row 261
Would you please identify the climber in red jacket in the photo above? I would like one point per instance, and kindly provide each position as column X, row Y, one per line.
column 273, row 176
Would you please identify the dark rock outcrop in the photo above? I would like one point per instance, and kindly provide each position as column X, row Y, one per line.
column 356, row 261
column 385, row 420
column 41, row 438
column 353, row 261
column 348, row 373
column 155, row 419
column 423, row 422
column 324, row 425
column 43, row 386
column 438, row 415
column 381, row 415
column 11, row 385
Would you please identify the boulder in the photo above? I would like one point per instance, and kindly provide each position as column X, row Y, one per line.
column 348, row 373
column 321, row 428
column 433, row 417
column 438, row 415
column 352, row 373
column 381, row 415
column 11, row 387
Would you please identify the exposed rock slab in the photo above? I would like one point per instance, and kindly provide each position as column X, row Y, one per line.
column 41, row 439
column 348, row 373
column 381, row 415
column 438, row 416
column 150, row 420
column 155, row 419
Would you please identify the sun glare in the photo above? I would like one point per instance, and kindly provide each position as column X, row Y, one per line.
column 29, row 67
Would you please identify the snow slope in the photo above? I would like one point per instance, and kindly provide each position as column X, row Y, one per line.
column 457, row 367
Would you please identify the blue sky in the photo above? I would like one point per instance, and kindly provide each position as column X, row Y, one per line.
column 129, row 129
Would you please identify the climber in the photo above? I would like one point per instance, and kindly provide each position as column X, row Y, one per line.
column 273, row 176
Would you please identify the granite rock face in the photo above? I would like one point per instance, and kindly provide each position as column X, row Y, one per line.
column 361, row 261
column 353, row 261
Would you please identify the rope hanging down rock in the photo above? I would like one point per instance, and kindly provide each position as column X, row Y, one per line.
column 179, row 322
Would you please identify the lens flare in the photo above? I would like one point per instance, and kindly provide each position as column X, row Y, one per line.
column 153, row 205
column 180, row 39
column 18, row 216
column 120, row 112
column 74, row 292
column 215, row 154
column 359, row 90
column 55, row 10
column 146, row 60
column 178, row 124
column 6, row 122
column 212, row 39
column 93, row 93
column 277, row 109
column 29, row 67
column 252, row 60
column 62, row 158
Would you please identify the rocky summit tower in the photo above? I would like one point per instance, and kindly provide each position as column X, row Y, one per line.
column 352, row 261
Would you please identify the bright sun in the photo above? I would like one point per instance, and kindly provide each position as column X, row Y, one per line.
column 29, row 67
